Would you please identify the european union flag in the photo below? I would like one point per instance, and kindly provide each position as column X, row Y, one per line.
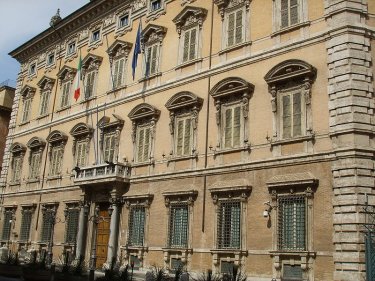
column 137, row 47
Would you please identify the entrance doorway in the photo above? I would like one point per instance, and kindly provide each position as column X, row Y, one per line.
column 102, row 236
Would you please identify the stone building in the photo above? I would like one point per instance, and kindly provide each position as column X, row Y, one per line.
column 245, row 136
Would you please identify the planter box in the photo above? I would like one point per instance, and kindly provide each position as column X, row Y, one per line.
column 8, row 270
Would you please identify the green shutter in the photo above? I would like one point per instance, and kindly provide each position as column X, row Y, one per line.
column 153, row 59
column 286, row 117
column 297, row 115
column 187, row 137
column 236, row 126
column 293, row 11
column 228, row 127
column 193, row 42
column 231, row 26
column 284, row 13
column 120, row 72
column 141, row 139
column 116, row 73
column 180, row 137
column 185, row 56
column 112, row 148
column 239, row 26
column 146, row 153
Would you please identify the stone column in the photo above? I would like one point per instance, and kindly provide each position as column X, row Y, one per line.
column 113, row 234
column 82, row 231
column 351, row 107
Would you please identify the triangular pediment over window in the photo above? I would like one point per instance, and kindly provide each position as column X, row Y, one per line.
column 46, row 83
column 153, row 31
column 91, row 60
column 27, row 90
column 142, row 111
column 66, row 72
column 189, row 16
column 119, row 48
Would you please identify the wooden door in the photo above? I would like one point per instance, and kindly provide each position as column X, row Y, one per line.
column 102, row 237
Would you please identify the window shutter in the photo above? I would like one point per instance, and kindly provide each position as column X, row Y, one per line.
column 146, row 145
column 231, row 22
column 148, row 61
column 293, row 11
column 141, row 139
column 112, row 148
column 236, row 126
column 59, row 160
column 239, row 26
column 26, row 110
column 186, row 46
column 297, row 126
column 25, row 225
column 228, row 128
column 153, row 59
column 286, row 117
column 284, row 13
column 187, row 137
column 120, row 72
column 116, row 74
column 47, row 226
column 72, row 225
column 7, row 225
column 180, row 137
column 193, row 41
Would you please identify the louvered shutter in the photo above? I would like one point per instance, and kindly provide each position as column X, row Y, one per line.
column 231, row 23
column 141, row 139
column 146, row 145
column 236, row 126
column 239, row 26
column 180, row 137
column 116, row 73
column 153, row 59
column 284, row 13
column 59, row 160
column 187, row 137
column 193, row 42
column 186, row 46
column 120, row 72
column 297, row 114
column 286, row 117
column 112, row 148
column 228, row 128
column 293, row 11
column 26, row 110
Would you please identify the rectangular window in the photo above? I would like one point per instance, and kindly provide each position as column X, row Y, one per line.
column 229, row 225
column 56, row 160
column 123, row 21
column 26, row 109
column 81, row 153
column 72, row 225
column 118, row 72
column 136, row 225
column 95, row 36
column 289, row 12
column 34, row 164
column 71, row 48
column 89, row 84
column 155, row 5
column 235, row 28
column 292, row 223
column 183, row 135
column 190, row 45
column 50, row 59
column 109, row 147
column 16, row 169
column 232, row 126
column 27, row 216
column 152, row 59
column 178, row 225
column 291, row 115
column 8, row 216
column 143, row 143
column 65, row 94
column 44, row 102
column 47, row 225
column 32, row 69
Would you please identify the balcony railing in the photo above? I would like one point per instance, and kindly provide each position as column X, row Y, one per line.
column 102, row 173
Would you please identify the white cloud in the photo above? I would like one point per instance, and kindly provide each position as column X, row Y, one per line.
column 24, row 19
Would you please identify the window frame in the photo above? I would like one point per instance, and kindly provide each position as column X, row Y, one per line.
column 119, row 72
column 48, row 61
column 36, row 146
column 32, row 70
column 302, row 8
column 144, row 127
column 111, row 129
column 90, row 71
column 71, row 48
column 56, row 141
column 8, row 223
column 234, row 143
column 136, row 228
column 25, row 227
column 46, row 230
column 71, row 227
column 44, row 102
column 17, row 151
column 26, row 109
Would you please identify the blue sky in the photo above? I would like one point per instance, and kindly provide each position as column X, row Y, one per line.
column 21, row 20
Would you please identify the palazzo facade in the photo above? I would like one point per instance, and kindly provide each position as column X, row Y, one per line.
column 243, row 137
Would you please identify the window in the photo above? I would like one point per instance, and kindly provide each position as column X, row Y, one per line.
column 18, row 152
column 118, row 72
column 178, row 225
column 235, row 28
column 66, row 76
column 123, row 21
column 152, row 59
column 89, row 84
column 27, row 215
column 290, row 84
column 144, row 117
column 229, row 224
column 95, row 36
column 90, row 70
column 36, row 146
column 71, row 224
column 81, row 153
column 155, row 5
column 232, row 109
column 50, row 59
column 65, row 94
column 189, row 24
column 110, row 138
column 7, row 226
column 32, row 69
column 57, row 141
column 48, row 218
column 82, row 134
column 71, row 49
column 291, row 222
column 26, row 110
column 184, row 135
column 34, row 164
column 289, row 12
column 44, row 102
column 137, row 218
column 109, row 147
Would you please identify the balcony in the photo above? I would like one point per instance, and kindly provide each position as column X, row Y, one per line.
column 102, row 174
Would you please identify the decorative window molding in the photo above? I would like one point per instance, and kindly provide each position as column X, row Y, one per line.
column 27, row 94
column 26, row 221
column 144, row 118
column 49, row 213
column 57, row 141
column 291, row 79
column 82, row 134
column 291, row 212
column 71, row 49
column 235, row 22
column 185, row 2
column 288, row 14
column 32, row 70
column 155, row 8
column 231, row 97
column 183, row 112
column 180, row 205
column 230, row 198
column 46, row 85
column 110, row 138
column 95, row 35
column 124, row 22
column 71, row 225
column 90, row 71
column 66, row 76
column 36, row 146
column 9, row 218
column 18, row 151
column 152, row 41
column 118, row 54
column 189, row 24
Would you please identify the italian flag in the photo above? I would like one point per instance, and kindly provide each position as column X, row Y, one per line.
column 77, row 88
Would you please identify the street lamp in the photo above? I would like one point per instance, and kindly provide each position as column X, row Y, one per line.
column 95, row 219
column 52, row 219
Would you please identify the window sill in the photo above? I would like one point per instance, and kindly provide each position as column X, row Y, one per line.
column 292, row 140
column 191, row 62
column 33, row 180
column 134, row 248
column 143, row 164
column 290, row 28
column 72, row 56
column 116, row 89
column 246, row 147
column 63, row 108
column 88, row 99
column 44, row 243
column 122, row 30
column 15, row 183
column 150, row 77
column 177, row 249
column 293, row 253
column 24, row 123
column 229, row 251
column 57, row 177
column 235, row 47
column 42, row 116
column 95, row 44
column 175, row 158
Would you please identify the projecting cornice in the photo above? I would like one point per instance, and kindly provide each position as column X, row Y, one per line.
column 76, row 21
